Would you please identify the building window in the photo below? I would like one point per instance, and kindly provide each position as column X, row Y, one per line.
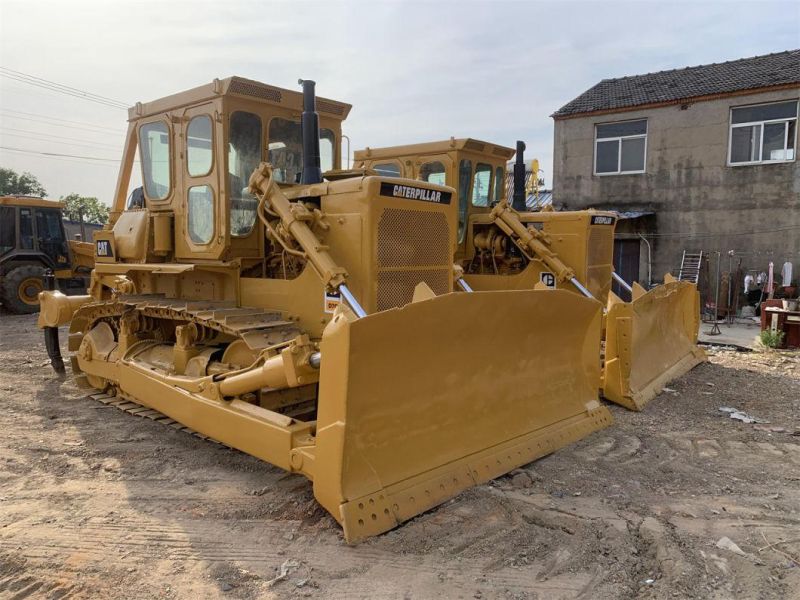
column 763, row 133
column 620, row 148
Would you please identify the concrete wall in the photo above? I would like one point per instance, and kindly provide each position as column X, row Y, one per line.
column 688, row 185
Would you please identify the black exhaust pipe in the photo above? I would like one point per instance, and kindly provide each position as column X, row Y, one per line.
column 51, row 333
column 518, row 201
column 309, row 125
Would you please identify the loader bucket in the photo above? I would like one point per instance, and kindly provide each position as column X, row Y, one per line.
column 418, row 403
column 650, row 341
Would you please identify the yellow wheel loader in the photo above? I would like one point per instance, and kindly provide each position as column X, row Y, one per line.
column 648, row 341
column 309, row 320
column 32, row 242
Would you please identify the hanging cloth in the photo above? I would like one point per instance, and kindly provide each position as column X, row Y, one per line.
column 771, row 279
column 786, row 274
column 748, row 282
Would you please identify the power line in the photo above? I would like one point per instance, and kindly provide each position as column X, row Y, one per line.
column 46, row 137
column 720, row 234
column 61, row 88
column 58, row 154
column 58, row 122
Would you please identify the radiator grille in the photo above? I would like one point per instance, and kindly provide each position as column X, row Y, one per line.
column 412, row 238
column 413, row 246
column 599, row 258
column 396, row 288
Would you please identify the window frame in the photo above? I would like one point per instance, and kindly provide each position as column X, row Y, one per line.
column 213, row 215
column 490, row 191
column 267, row 132
column 431, row 161
column 785, row 120
column 374, row 166
column 170, row 159
column 619, row 139
column 263, row 148
column 188, row 148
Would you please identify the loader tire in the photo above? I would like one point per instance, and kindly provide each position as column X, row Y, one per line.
column 21, row 287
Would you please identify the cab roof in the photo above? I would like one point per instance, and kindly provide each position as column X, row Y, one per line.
column 469, row 144
column 241, row 87
column 33, row 201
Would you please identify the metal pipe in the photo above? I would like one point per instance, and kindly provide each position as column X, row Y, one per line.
column 352, row 302
column 309, row 127
column 518, row 199
column 649, row 262
column 621, row 281
column 464, row 285
column 581, row 289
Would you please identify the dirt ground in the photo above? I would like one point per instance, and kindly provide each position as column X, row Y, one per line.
column 98, row 503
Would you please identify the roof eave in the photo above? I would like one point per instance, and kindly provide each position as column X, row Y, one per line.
column 689, row 100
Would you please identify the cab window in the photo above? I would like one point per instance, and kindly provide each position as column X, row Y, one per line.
column 8, row 227
column 286, row 149
column 200, row 214
column 464, row 182
column 199, row 156
column 388, row 169
column 244, row 156
column 433, row 172
column 482, row 185
column 26, row 228
column 499, row 184
column 154, row 151
column 50, row 235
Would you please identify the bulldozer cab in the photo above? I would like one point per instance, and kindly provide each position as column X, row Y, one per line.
column 197, row 151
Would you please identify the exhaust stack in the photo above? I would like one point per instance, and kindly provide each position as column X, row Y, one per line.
column 309, row 125
column 518, row 201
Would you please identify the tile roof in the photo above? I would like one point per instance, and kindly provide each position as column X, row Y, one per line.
column 780, row 68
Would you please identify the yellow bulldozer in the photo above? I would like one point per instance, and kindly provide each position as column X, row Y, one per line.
column 649, row 340
column 260, row 295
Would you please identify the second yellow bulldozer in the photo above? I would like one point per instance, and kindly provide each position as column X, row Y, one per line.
column 649, row 340
column 309, row 320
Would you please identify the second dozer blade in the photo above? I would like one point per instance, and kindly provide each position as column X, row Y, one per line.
column 650, row 341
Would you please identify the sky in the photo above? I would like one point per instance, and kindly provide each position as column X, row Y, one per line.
column 414, row 71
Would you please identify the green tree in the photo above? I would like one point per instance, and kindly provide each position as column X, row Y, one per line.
column 14, row 184
column 93, row 210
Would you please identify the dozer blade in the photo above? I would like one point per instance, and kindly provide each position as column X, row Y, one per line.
column 650, row 341
column 419, row 403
